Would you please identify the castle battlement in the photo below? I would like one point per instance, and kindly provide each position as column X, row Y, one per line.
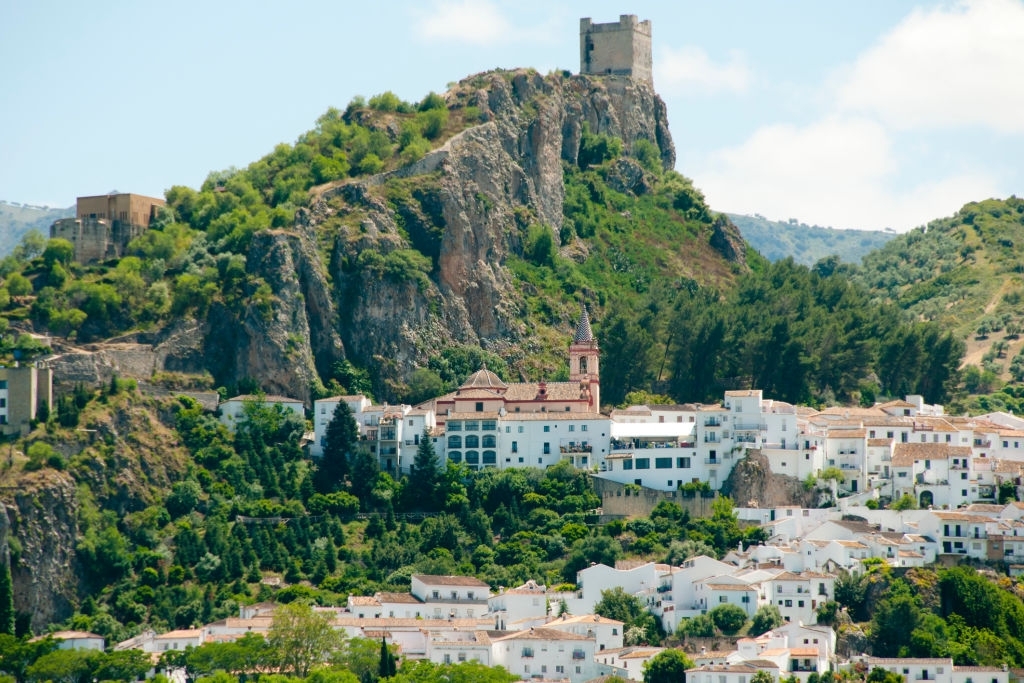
column 621, row 48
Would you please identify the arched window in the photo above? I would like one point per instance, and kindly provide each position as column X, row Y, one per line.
column 583, row 365
column 490, row 441
column 454, row 442
column 455, row 456
column 472, row 457
column 490, row 458
column 472, row 441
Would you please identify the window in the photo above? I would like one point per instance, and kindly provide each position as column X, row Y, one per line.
column 722, row 598
column 479, row 406
column 454, row 426
column 508, row 430
column 643, row 463
column 789, row 603
column 583, row 428
column 472, row 426
column 489, row 425
column 515, row 446
column 520, row 429
column 745, row 598
column 462, row 656
column 547, row 448
column 455, row 456
column 572, row 428
column 683, row 463
column 454, row 442
column 490, row 457
column 663, row 463
column 472, row 441
column 547, row 428
column 490, row 441
column 627, row 464
column 472, row 457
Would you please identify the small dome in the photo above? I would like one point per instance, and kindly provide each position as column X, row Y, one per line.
column 483, row 379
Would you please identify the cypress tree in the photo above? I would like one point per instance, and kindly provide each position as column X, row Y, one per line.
column 341, row 437
column 387, row 661
column 426, row 474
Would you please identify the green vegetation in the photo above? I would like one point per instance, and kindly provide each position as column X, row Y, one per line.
column 801, row 336
column 808, row 244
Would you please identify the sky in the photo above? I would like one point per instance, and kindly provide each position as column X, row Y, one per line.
column 872, row 114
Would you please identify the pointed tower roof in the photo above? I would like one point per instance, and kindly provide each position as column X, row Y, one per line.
column 483, row 379
column 584, row 335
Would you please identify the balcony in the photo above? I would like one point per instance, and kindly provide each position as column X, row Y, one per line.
column 713, row 422
column 712, row 461
column 711, row 438
column 579, row 654
column 527, row 652
column 576, row 448
column 750, row 427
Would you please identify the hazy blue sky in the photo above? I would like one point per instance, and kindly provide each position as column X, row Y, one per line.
column 858, row 114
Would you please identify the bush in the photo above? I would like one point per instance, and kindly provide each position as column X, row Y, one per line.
column 432, row 101
column 728, row 618
column 386, row 101
column 433, row 122
column 698, row 627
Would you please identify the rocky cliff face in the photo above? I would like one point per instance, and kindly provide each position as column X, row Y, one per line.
column 468, row 210
column 753, row 484
column 38, row 531
column 349, row 278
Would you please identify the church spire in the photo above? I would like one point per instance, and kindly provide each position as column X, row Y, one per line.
column 584, row 335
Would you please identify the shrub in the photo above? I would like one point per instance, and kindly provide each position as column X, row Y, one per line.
column 433, row 122
column 728, row 618
column 386, row 101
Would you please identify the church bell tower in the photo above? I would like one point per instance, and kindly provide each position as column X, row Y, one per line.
column 583, row 360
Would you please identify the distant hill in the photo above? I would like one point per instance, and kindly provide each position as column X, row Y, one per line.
column 807, row 244
column 17, row 219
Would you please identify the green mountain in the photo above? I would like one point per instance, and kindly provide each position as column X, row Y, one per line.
column 807, row 244
column 17, row 219
column 393, row 249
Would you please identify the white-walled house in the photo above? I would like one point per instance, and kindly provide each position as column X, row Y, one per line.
column 607, row 633
column 798, row 596
column 513, row 605
column 546, row 653
column 450, row 596
column 77, row 640
column 232, row 411
column 600, row 577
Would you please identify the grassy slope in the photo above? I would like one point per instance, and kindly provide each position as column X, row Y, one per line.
column 960, row 271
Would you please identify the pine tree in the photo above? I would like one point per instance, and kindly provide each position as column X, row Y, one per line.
column 6, row 600
column 342, row 436
column 425, row 476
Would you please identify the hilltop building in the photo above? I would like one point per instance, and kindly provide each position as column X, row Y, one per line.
column 23, row 391
column 621, row 48
column 104, row 224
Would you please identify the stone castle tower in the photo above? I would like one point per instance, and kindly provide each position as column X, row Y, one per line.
column 584, row 356
column 622, row 48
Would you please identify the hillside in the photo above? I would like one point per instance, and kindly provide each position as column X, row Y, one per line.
column 18, row 219
column 394, row 232
column 806, row 244
column 963, row 272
